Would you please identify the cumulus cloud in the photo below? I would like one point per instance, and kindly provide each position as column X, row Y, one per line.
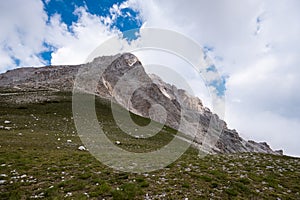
column 255, row 44
column 22, row 33
column 76, row 42
column 28, row 31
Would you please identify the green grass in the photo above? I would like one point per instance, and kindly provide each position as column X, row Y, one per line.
column 40, row 162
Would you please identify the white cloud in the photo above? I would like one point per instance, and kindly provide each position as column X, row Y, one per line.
column 262, row 66
column 26, row 29
column 73, row 47
column 21, row 34
column 259, row 57
column 280, row 132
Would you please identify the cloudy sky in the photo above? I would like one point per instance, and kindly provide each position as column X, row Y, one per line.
column 254, row 44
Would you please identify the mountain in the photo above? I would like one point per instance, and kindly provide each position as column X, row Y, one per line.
column 122, row 79
column 43, row 156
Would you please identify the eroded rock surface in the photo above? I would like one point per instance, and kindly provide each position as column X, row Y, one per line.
column 122, row 78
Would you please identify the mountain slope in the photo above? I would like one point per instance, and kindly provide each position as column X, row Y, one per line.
column 39, row 158
column 124, row 80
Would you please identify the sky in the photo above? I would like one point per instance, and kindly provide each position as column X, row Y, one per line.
column 254, row 45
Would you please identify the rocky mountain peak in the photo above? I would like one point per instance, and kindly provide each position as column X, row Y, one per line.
column 125, row 81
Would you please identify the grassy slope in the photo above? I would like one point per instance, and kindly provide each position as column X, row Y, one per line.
column 36, row 163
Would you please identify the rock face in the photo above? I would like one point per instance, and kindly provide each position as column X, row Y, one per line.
column 122, row 78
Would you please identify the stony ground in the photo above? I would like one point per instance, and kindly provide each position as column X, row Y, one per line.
column 39, row 158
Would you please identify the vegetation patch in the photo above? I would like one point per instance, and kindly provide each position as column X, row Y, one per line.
column 39, row 158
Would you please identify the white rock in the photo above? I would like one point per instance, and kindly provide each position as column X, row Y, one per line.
column 2, row 181
column 7, row 122
column 8, row 128
column 1, row 127
column 81, row 148
column 69, row 141
column 86, row 194
column 118, row 142
column 23, row 176
column 58, row 139
column 187, row 169
column 69, row 194
column 20, row 134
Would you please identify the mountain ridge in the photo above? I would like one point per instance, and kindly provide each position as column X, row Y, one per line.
column 125, row 81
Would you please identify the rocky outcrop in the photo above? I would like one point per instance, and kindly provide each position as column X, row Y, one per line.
column 124, row 80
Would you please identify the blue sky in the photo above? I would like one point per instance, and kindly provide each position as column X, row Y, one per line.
column 100, row 8
column 254, row 46
column 127, row 21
